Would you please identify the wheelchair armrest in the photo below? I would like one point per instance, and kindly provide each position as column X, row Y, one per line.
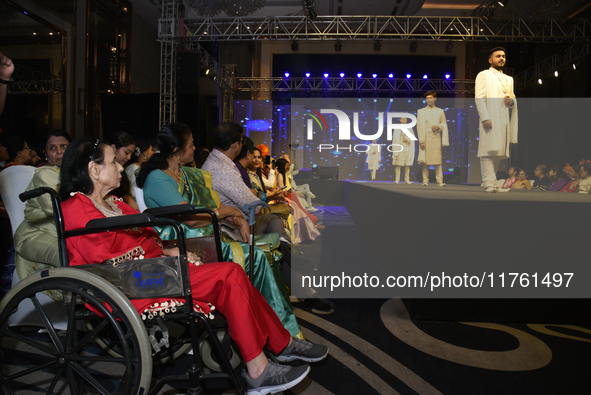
column 171, row 211
column 124, row 220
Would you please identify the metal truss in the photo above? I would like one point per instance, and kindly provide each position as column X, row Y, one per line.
column 554, row 63
column 167, row 31
column 31, row 82
column 385, row 28
column 376, row 85
column 228, row 73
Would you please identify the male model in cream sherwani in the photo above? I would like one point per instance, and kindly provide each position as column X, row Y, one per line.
column 432, row 131
column 405, row 156
column 497, row 109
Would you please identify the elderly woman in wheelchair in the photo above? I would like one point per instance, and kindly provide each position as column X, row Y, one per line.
column 89, row 172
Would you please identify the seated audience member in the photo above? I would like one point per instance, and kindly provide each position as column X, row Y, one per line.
column 509, row 182
column 542, row 180
column 124, row 147
column 19, row 152
column 228, row 181
column 144, row 151
column 90, row 172
column 585, row 183
column 304, row 189
column 3, row 153
column 36, row 237
column 267, row 171
column 166, row 182
column 35, row 158
column 558, row 179
column 522, row 183
column 574, row 174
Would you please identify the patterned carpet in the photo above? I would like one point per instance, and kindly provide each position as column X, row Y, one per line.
column 375, row 348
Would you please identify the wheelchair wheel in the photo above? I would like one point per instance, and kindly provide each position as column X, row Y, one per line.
column 178, row 331
column 210, row 357
column 69, row 361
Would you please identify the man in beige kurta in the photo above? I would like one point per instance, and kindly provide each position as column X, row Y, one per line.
column 497, row 109
column 432, row 131
column 405, row 156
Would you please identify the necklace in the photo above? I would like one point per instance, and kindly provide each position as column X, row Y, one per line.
column 181, row 179
column 505, row 85
column 112, row 211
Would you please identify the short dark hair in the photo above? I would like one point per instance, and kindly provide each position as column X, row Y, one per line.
column 13, row 145
column 587, row 167
column 74, row 175
column 248, row 146
column 495, row 49
column 543, row 169
column 523, row 170
column 226, row 134
column 431, row 93
column 121, row 139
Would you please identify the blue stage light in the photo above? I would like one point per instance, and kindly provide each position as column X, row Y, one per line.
column 374, row 75
column 425, row 77
column 342, row 75
column 447, row 76
column 307, row 75
column 359, row 75
column 408, row 76
column 325, row 75
column 286, row 75
column 390, row 75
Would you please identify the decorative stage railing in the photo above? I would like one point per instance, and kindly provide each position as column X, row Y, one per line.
column 29, row 81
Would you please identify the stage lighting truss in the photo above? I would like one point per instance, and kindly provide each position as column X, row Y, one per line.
column 353, row 84
column 32, row 82
column 351, row 28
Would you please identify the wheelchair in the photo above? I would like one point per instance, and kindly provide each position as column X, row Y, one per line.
column 106, row 347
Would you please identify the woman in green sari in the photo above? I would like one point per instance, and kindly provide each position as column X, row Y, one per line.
column 166, row 182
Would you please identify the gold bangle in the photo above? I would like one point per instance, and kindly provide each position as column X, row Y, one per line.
column 234, row 220
column 217, row 213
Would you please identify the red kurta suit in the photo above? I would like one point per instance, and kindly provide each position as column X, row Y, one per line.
column 252, row 323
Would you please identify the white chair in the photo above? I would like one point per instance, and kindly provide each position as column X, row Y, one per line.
column 13, row 182
column 139, row 197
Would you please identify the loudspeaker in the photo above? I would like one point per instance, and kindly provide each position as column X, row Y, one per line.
column 187, row 72
column 325, row 173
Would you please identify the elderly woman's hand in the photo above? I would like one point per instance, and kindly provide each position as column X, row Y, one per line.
column 192, row 257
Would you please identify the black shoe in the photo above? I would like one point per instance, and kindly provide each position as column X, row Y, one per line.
column 321, row 305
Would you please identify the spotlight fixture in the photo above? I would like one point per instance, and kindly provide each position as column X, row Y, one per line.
column 338, row 45
column 377, row 45
column 425, row 76
column 207, row 72
column 307, row 75
column 408, row 76
column 574, row 66
column 413, row 46
column 374, row 75
column 359, row 75
column 390, row 75
column 540, row 81
column 286, row 74
column 342, row 75
column 325, row 75
column 447, row 76
column 295, row 46
column 310, row 9
column 556, row 73
column 449, row 46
